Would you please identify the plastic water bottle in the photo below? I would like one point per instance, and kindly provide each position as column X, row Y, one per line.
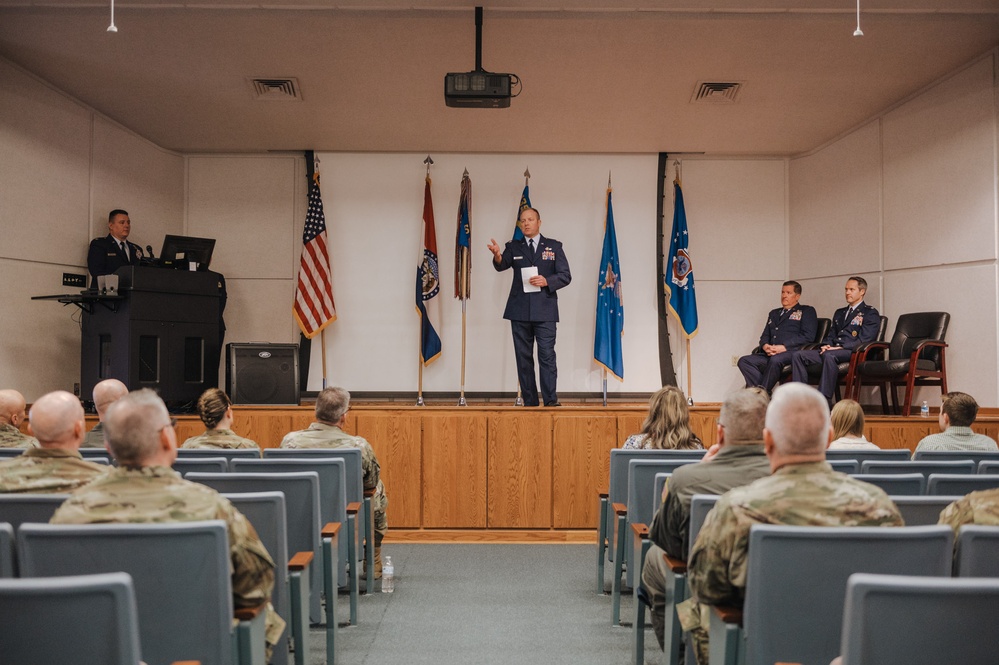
column 388, row 576
column 924, row 410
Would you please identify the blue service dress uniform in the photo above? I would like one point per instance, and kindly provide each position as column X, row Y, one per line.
column 533, row 316
column 848, row 332
column 793, row 328
column 105, row 257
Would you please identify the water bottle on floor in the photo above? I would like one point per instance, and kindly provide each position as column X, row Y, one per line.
column 924, row 410
column 388, row 576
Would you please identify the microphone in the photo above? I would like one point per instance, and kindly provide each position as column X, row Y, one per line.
column 149, row 248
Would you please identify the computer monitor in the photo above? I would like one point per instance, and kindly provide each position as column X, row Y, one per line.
column 182, row 250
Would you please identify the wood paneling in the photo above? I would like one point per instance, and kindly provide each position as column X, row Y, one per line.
column 704, row 423
column 267, row 428
column 580, row 467
column 520, row 471
column 892, row 435
column 396, row 440
column 628, row 424
column 454, row 471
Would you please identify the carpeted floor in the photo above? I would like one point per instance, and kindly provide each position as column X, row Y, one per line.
column 487, row 604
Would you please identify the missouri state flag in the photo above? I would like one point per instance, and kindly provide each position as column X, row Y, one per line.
column 428, row 285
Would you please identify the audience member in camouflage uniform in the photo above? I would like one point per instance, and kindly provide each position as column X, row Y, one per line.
column 57, row 420
column 215, row 409
column 803, row 490
column 106, row 393
column 145, row 489
column 738, row 458
column 327, row 432
column 976, row 508
column 957, row 413
column 11, row 416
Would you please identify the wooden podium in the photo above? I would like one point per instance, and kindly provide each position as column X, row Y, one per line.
column 161, row 332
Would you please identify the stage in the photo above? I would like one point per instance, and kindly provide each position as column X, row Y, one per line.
column 506, row 474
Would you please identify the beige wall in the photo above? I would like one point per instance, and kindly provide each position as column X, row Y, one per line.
column 64, row 167
column 909, row 201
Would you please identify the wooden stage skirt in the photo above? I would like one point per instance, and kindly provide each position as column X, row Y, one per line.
column 502, row 473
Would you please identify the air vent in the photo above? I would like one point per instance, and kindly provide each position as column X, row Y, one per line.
column 712, row 92
column 284, row 89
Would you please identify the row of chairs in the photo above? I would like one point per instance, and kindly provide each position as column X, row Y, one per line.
column 266, row 499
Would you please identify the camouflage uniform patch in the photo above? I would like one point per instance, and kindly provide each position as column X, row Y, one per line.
column 11, row 437
column 220, row 438
column 319, row 435
column 47, row 471
column 95, row 437
column 976, row 508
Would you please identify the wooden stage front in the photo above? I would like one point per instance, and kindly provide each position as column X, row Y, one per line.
column 501, row 473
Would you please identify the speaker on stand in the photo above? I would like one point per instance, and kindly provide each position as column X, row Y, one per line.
column 261, row 373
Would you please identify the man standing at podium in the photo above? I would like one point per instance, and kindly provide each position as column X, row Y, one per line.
column 113, row 251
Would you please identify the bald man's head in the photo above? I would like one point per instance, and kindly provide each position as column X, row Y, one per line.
column 106, row 393
column 137, row 427
column 57, row 420
column 11, row 407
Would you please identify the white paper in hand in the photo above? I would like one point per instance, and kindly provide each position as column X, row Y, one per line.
column 525, row 275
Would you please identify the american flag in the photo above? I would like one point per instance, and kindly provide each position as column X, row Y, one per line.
column 314, row 308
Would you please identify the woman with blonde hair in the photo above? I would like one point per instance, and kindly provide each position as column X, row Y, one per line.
column 847, row 419
column 215, row 409
column 668, row 424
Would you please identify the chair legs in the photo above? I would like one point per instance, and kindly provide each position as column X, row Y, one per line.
column 369, row 544
column 618, row 572
column 601, row 543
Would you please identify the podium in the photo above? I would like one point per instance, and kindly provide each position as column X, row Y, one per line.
column 160, row 332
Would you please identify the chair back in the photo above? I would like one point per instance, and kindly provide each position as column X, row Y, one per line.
column 822, row 329
column 900, row 484
column 796, row 582
column 97, row 455
column 20, row 508
column 988, row 466
column 883, row 455
column 10, row 452
column 657, row 490
column 700, row 506
column 960, row 484
column 977, row 552
column 266, row 512
column 228, row 453
column 180, row 572
column 641, row 480
column 301, row 497
column 844, row 465
column 921, row 510
column 976, row 456
column 914, row 328
column 352, row 464
column 200, row 465
column 6, row 550
column 900, row 620
column 80, row 619
column 925, row 468
column 617, row 489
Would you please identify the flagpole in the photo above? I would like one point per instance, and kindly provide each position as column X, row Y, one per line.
column 322, row 341
column 690, row 398
column 461, row 398
column 605, row 386
column 527, row 180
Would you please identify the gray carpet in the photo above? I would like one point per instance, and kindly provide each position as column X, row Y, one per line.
column 487, row 604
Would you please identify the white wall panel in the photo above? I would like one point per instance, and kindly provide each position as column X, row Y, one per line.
column 44, row 171
column 132, row 174
column 835, row 207
column 736, row 218
column 248, row 204
column 939, row 173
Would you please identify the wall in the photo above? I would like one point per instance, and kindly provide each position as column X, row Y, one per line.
column 909, row 201
column 64, row 167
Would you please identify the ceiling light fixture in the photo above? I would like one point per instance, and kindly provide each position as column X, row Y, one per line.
column 113, row 28
column 856, row 33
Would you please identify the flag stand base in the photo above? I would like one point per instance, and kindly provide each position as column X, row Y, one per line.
column 419, row 401
column 519, row 401
column 461, row 401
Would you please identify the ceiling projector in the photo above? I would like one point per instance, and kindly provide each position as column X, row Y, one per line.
column 479, row 89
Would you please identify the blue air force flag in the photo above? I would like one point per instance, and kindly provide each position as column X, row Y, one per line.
column 608, row 337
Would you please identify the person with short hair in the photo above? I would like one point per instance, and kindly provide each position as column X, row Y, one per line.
column 114, row 250
column 141, row 435
column 532, row 308
column 106, row 393
column 788, row 328
column 738, row 458
column 57, row 420
column 332, row 405
column 848, row 427
column 667, row 427
column 957, row 413
column 215, row 410
column 12, row 414
column 803, row 490
column 852, row 326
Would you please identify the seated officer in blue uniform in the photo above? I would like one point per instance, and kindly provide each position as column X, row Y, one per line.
column 113, row 251
column 789, row 327
column 852, row 326
column 534, row 315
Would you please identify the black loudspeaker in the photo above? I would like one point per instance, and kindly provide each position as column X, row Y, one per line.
column 262, row 373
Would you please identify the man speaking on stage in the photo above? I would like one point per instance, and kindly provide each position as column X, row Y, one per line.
column 540, row 269
column 113, row 251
